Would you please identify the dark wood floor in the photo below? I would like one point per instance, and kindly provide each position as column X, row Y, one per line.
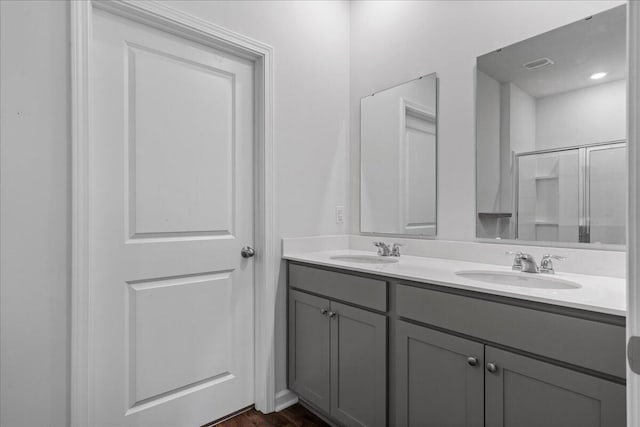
column 293, row 416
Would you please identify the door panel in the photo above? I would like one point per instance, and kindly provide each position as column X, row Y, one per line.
column 358, row 366
column 173, row 306
column 171, row 205
column 435, row 384
column 525, row 392
column 309, row 348
column 176, row 109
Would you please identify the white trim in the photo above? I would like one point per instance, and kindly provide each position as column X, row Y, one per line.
column 80, row 297
column 156, row 14
column 633, row 263
column 284, row 399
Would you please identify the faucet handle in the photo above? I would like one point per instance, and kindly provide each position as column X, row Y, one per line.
column 383, row 248
column 546, row 264
column 517, row 262
column 395, row 250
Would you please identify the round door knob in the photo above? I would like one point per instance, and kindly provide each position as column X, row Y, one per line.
column 332, row 314
column 492, row 367
column 324, row 311
column 472, row 361
column 247, row 252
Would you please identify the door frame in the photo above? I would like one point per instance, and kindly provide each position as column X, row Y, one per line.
column 158, row 15
column 633, row 227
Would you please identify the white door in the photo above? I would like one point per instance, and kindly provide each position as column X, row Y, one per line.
column 171, row 196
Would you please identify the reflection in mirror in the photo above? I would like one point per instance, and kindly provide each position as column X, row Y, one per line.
column 550, row 136
column 398, row 159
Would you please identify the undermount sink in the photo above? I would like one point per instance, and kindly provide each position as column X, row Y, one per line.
column 519, row 279
column 365, row 259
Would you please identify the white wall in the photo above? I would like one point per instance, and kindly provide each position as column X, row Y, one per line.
column 392, row 42
column 488, row 136
column 522, row 123
column 583, row 116
column 34, row 223
column 311, row 134
column 518, row 128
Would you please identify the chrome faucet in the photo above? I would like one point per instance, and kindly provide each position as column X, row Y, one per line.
column 386, row 250
column 528, row 263
column 383, row 248
column 546, row 264
column 523, row 262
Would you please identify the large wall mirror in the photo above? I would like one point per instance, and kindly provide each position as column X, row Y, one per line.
column 550, row 137
column 398, row 159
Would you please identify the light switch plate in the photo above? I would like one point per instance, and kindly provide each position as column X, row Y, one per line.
column 339, row 214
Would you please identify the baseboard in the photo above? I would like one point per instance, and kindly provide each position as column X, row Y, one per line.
column 284, row 399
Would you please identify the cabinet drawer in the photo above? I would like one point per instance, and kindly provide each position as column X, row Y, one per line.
column 590, row 344
column 358, row 290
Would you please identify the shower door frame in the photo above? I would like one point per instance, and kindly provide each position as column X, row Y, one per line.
column 584, row 217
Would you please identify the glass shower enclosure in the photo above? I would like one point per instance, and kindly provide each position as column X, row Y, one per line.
column 575, row 194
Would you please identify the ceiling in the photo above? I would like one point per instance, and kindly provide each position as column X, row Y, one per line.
column 578, row 50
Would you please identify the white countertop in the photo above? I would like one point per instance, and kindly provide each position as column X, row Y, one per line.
column 598, row 293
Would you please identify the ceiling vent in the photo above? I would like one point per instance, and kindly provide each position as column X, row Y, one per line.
column 537, row 63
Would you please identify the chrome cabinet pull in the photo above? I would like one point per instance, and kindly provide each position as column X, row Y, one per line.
column 331, row 314
column 492, row 367
column 324, row 311
column 472, row 361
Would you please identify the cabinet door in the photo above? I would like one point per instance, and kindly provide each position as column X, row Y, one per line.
column 358, row 366
column 524, row 392
column 439, row 379
column 309, row 348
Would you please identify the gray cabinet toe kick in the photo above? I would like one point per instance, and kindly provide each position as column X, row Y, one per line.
column 370, row 350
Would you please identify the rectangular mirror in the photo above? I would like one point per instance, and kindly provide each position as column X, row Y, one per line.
column 398, row 146
column 550, row 135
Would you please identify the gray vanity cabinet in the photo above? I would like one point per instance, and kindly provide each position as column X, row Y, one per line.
column 457, row 358
column 309, row 348
column 525, row 392
column 439, row 379
column 338, row 352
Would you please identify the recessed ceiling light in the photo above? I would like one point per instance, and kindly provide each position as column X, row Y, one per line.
column 597, row 76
